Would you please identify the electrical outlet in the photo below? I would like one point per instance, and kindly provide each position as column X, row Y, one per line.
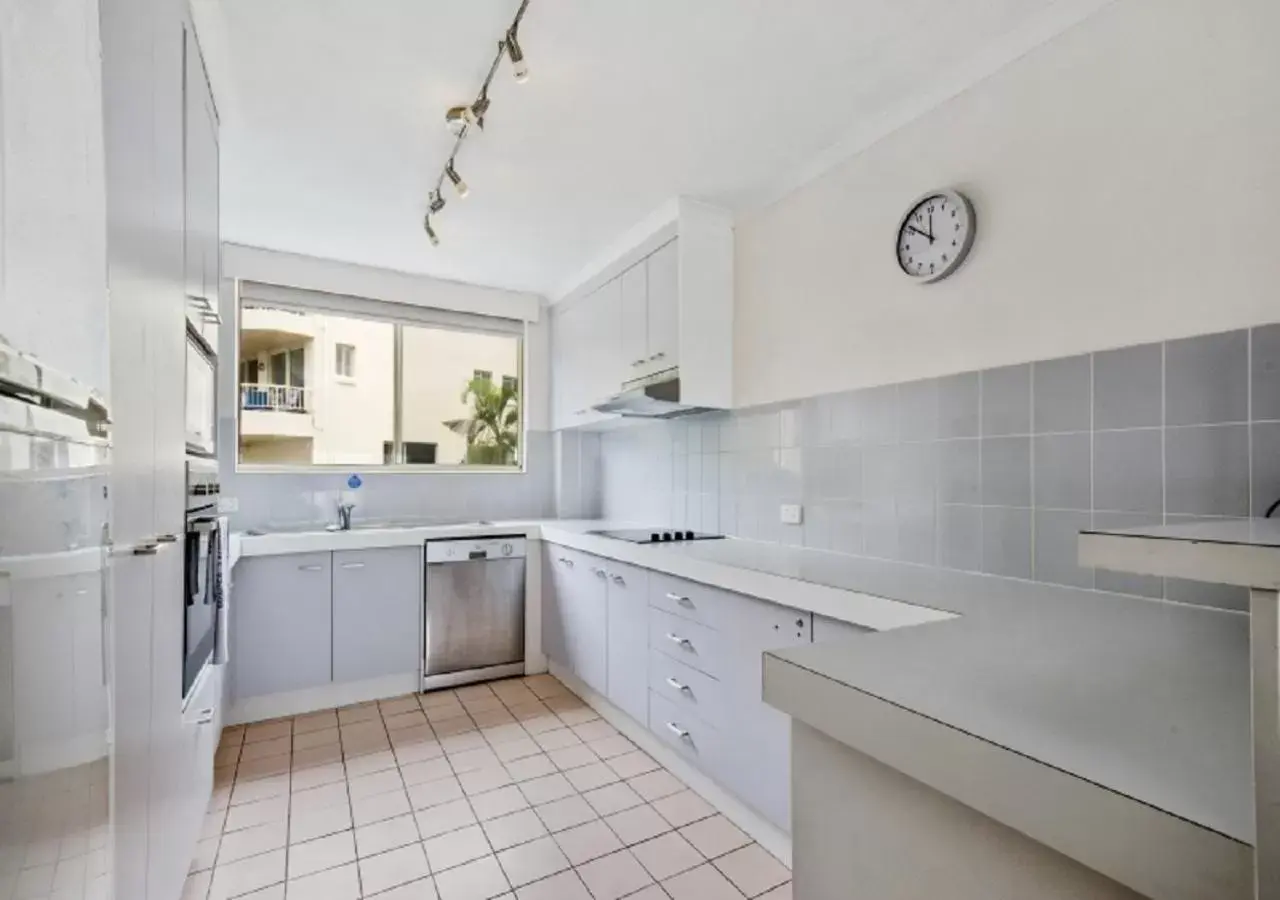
column 228, row 505
column 791, row 513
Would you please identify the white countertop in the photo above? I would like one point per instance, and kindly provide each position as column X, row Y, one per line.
column 1228, row 551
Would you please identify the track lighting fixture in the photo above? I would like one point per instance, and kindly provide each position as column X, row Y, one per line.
column 458, row 184
column 461, row 119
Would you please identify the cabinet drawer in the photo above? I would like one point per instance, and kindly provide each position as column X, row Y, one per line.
column 692, row 644
column 686, row 688
column 688, row 599
column 691, row 737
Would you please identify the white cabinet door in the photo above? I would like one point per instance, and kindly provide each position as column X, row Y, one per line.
column 282, row 624
column 634, row 298
column 664, row 308
column 587, row 609
column 376, row 599
column 627, row 652
column 603, row 336
column 557, row 568
column 568, row 343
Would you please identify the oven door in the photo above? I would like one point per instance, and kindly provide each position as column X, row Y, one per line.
column 202, row 370
column 201, row 600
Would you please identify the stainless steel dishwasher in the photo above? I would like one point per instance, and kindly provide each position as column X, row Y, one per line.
column 473, row 616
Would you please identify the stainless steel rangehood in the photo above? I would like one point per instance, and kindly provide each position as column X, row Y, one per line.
column 655, row 397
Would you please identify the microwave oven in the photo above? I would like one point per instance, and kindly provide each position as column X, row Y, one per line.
column 202, row 389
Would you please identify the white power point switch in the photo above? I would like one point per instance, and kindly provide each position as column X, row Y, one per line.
column 791, row 513
column 228, row 505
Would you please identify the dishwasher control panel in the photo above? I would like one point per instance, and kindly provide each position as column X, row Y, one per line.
column 466, row 549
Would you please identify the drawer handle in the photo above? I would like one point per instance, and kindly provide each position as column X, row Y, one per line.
column 312, row 568
column 682, row 733
column 676, row 639
column 682, row 600
column 617, row 579
column 567, row 562
column 678, row 686
column 353, row 565
column 205, row 716
column 599, row 573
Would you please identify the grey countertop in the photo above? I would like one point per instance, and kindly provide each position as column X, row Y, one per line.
column 1225, row 551
column 1245, row 532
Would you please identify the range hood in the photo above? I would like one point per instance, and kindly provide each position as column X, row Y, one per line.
column 655, row 397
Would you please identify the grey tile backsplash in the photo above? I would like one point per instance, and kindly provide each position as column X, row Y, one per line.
column 994, row 471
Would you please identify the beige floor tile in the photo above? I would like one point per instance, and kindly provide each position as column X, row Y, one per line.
column 488, row 718
column 589, row 841
column 275, row 892
column 365, row 810
column 703, row 883
column 327, row 737
column 360, row 712
column 320, row 854
column 306, row 779
column 259, row 789
column 247, row 875
column 371, row 763
column 753, row 870
column 573, row 756
column 433, row 793
column 595, row 730
column 357, row 731
column 652, row 892
column 479, row 880
column 565, row 813
column 492, row 804
column 565, row 701
column 529, row 767
column 415, row 734
column 250, row 814
column 590, row 777
column 518, row 747
column 539, row 720
column 633, row 763
column 683, row 808
column 471, row 760
column 667, row 855
column 656, row 784
column 386, row 835
column 465, row 740
column 400, row 705
column 454, row 848
column 501, row 734
column 395, row 867
column 545, row 686
column 715, row 836
column 474, row 691
column 571, row 714
column 547, row 788
column 612, row 798
column 612, row 747
column 446, row 720
column 781, row 892
column 557, row 738
column 639, row 824
column 267, row 767
column 422, row 889
column 316, row 756
column 446, row 697
column 227, row 756
column 419, row 751
column 197, row 886
column 266, row 731
column 252, row 841
column 404, row 720
column 364, row 746
column 326, row 720
column 444, row 818
column 342, row 883
column 530, row 862
column 312, row 799
column 316, row 824
column 481, row 780
column 206, row 854
column 426, row 770
column 613, row 876
column 280, row 746
column 517, row 828
column 376, row 783
column 565, row 886
column 482, row 704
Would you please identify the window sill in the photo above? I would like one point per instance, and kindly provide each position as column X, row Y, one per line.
column 366, row 471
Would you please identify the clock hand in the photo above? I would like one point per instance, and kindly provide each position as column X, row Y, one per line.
column 931, row 228
column 921, row 233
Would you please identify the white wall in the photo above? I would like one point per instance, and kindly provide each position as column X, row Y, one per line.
column 1125, row 176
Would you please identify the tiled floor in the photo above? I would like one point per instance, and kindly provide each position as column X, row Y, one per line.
column 515, row 790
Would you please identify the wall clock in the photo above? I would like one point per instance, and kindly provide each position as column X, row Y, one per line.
column 935, row 235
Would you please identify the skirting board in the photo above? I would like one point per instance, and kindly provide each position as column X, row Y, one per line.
column 328, row 696
column 765, row 833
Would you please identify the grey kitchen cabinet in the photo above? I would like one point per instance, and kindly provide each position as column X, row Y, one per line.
column 282, row 624
column 558, row 565
column 627, row 652
column 377, row 599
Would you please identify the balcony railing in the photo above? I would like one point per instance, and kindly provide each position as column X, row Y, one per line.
column 273, row 397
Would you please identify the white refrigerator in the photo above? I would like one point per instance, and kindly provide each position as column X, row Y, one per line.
column 55, row 612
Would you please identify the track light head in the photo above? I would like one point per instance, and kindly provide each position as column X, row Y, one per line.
column 459, row 118
column 435, row 202
column 519, row 68
column 431, row 235
column 479, row 108
column 458, row 184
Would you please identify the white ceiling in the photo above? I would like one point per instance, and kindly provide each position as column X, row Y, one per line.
column 333, row 127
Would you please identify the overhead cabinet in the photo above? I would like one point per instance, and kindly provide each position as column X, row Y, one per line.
column 665, row 309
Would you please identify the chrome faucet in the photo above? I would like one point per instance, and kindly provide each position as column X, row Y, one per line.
column 344, row 516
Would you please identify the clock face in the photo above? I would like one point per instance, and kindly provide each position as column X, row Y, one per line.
column 935, row 236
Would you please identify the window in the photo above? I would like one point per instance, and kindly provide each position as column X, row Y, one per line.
column 426, row 395
column 344, row 363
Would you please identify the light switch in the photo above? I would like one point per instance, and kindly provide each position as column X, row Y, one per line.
column 791, row 513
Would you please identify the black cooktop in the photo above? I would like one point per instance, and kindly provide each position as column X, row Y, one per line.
column 656, row 536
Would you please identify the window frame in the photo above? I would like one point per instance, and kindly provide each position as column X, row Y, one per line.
column 400, row 316
column 348, row 377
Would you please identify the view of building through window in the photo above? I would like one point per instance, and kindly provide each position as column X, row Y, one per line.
column 303, row 401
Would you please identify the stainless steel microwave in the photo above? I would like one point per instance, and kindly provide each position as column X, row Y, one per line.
column 202, row 392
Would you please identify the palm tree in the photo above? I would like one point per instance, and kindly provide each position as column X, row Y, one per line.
column 492, row 430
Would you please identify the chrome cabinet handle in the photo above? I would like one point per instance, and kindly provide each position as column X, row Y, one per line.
column 617, row 579
column 684, row 688
column 205, row 716
column 166, row 538
column 311, row 568
column 353, row 565
column 658, row 355
column 147, row 548
column 676, row 639
column 567, row 562
column 599, row 573
column 682, row 733
column 683, row 601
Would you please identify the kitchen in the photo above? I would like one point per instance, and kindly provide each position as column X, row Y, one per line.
column 553, row 534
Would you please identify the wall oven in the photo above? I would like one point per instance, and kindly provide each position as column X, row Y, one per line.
column 202, row 419
column 202, row 569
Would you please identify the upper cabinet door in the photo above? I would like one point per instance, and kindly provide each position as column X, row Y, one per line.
column 635, row 321
column 603, row 332
column 664, row 308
